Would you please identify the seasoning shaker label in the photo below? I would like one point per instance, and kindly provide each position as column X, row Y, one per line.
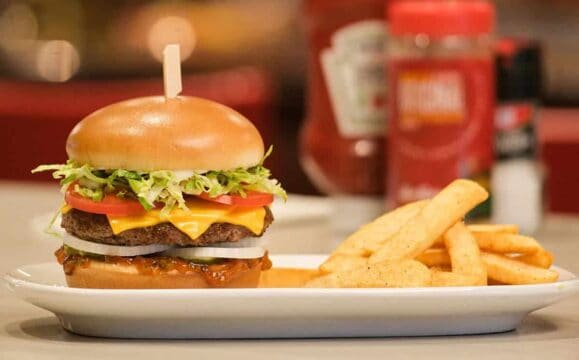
column 430, row 97
column 515, row 131
column 441, row 126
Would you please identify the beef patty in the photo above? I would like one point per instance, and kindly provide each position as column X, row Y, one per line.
column 96, row 228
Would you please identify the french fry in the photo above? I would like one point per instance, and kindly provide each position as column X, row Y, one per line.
column 445, row 278
column 375, row 234
column 464, row 254
column 404, row 273
column 445, row 268
column 434, row 257
column 371, row 236
column 495, row 282
column 342, row 262
column 351, row 246
column 541, row 258
column 324, row 281
column 438, row 243
column 286, row 277
column 440, row 213
column 506, row 270
column 426, row 244
column 504, row 243
column 494, row 228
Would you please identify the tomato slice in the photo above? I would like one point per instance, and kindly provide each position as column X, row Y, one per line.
column 109, row 205
column 252, row 198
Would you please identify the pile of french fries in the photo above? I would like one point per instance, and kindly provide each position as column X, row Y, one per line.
column 426, row 243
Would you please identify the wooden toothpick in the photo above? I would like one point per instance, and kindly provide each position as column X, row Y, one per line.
column 172, row 71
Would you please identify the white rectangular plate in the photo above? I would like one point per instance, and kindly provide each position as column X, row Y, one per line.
column 282, row 313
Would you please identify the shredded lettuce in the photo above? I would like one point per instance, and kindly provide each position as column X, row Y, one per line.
column 95, row 194
column 162, row 186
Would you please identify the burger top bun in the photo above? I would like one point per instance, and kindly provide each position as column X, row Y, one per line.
column 151, row 133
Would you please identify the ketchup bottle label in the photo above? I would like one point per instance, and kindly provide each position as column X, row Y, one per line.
column 441, row 126
column 353, row 69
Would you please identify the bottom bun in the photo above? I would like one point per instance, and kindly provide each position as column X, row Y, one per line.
column 101, row 275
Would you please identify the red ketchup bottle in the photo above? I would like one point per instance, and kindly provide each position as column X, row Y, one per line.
column 441, row 81
column 342, row 140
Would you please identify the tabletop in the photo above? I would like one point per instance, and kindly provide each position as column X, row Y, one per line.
column 27, row 332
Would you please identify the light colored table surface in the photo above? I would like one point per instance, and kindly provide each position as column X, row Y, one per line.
column 27, row 332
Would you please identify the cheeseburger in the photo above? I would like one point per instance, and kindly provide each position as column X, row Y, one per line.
column 164, row 193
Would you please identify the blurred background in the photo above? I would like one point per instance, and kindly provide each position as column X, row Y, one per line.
column 62, row 59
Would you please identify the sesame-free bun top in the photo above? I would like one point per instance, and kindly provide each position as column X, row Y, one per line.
column 152, row 133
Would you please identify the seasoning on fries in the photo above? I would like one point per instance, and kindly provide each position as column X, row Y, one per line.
column 510, row 271
column 448, row 278
column 426, row 243
column 434, row 257
column 402, row 273
column 503, row 243
column 541, row 258
column 464, row 253
column 438, row 215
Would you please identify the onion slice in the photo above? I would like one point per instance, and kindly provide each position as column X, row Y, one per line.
column 110, row 250
column 191, row 253
column 243, row 243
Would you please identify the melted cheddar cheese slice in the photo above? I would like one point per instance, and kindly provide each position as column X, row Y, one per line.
column 201, row 215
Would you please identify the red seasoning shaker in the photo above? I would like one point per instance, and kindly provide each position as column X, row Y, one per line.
column 441, row 81
column 342, row 140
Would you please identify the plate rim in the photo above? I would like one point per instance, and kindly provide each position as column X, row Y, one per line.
column 571, row 284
